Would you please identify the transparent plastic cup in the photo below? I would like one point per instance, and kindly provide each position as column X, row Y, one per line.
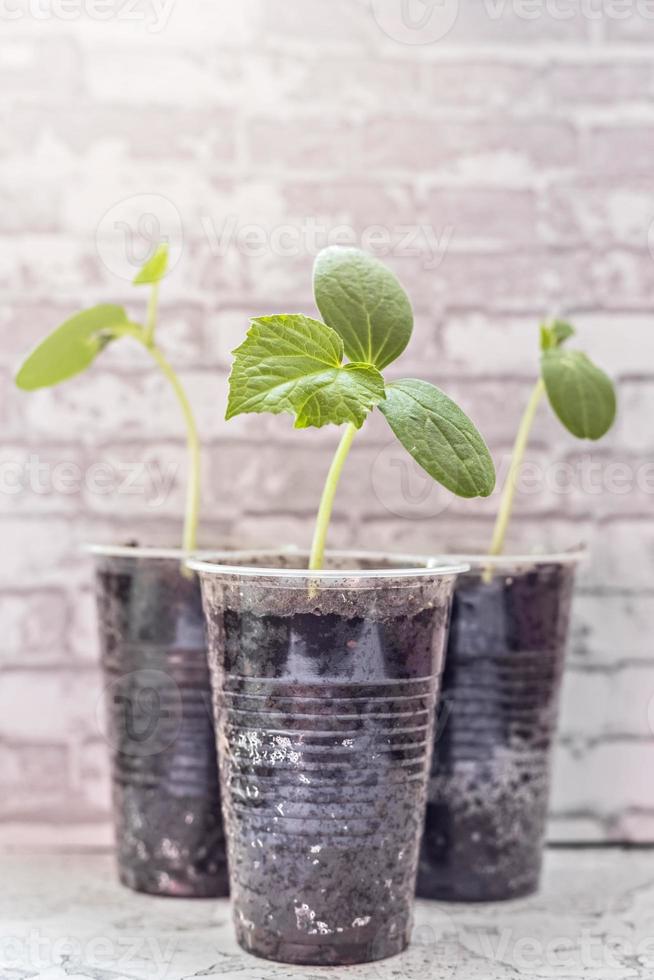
column 490, row 782
column 324, row 686
column 167, row 813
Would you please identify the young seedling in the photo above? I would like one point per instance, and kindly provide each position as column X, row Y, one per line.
column 294, row 363
column 74, row 346
column 581, row 396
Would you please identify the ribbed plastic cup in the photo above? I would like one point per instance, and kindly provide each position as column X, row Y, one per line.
column 489, row 787
column 167, row 812
column 324, row 694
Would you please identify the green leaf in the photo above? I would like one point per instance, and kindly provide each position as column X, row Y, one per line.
column 555, row 335
column 581, row 395
column 291, row 363
column 70, row 348
column 155, row 268
column 364, row 302
column 440, row 437
column 562, row 331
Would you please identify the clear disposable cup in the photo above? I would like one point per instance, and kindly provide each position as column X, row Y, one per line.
column 324, row 686
column 166, row 798
column 489, row 787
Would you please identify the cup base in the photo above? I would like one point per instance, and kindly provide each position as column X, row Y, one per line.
column 433, row 890
column 268, row 946
column 166, row 885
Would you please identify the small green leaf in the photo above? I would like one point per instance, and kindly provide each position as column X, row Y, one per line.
column 582, row 396
column 440, row 437
column 562, row 331
column 555, row 335
column 155, row 268
column 70, row 348
column 364, row 302
column 347, row 395
column 291, row 363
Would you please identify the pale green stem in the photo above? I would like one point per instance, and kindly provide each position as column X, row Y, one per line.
column 193, row 440
column 151, row 318
column 327, row 501
column 508, row 494
column 192, row 436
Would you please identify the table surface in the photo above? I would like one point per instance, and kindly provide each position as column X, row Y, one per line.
column 66, row 916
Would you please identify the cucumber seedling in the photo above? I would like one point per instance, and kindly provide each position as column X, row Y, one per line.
column 73, row 347
column 294, row 363
column 580, row 394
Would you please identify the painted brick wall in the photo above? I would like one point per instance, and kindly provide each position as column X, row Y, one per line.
column 505, row 166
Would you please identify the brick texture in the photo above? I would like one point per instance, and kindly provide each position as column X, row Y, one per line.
column 503, row 169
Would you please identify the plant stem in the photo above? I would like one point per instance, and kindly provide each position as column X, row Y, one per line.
column 193, row 441
column 144, row 337
column 327, row 500
column 151, row 319
column 508, row 493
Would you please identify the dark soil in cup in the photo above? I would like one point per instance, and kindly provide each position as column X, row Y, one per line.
column 326, row 710
column 489, row 790
column 169, row 833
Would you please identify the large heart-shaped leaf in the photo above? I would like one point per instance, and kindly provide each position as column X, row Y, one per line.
column 292, row 363
column 364, row 302
column 440, row 437
column 582, row 396
column 70, row 348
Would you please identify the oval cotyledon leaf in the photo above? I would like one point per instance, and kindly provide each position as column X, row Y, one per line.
column 364, row 303
column 581, row 395
column 440, row 437
column 71, row 348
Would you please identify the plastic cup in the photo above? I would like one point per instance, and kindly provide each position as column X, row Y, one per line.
column 325, row 686
column 166, row 798
column 490, row 781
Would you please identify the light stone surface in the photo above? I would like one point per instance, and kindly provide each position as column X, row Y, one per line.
column 65, row 916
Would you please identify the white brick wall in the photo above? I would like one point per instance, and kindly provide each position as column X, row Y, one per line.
column 518, row 148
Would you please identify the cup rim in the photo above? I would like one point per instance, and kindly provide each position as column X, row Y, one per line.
column 428, row 568
column 177, row 554
column 424, row 564
column 570, row 556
